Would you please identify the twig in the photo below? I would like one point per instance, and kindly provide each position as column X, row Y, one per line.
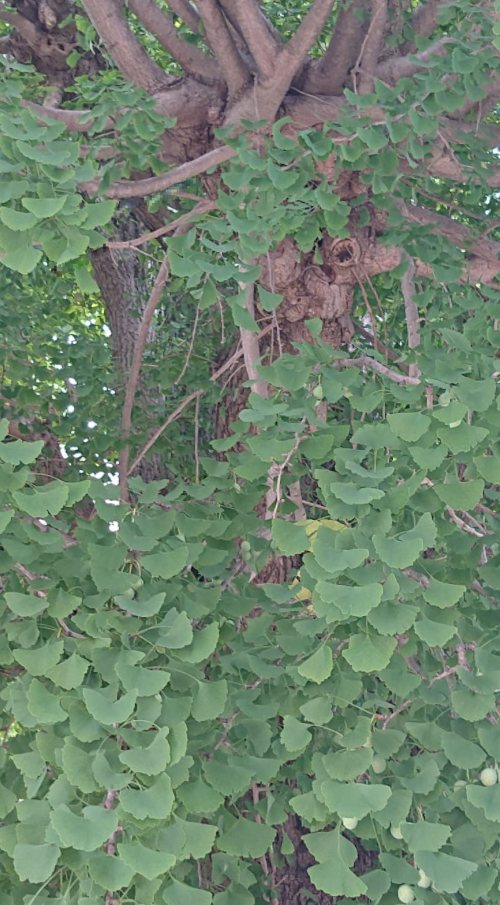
column 191, row 344
column 363, row 361
column 387, row 719
column 411, row 309
column 250, row 346
column 202, row 208
column 370, row 49
column 135, row 370
column 180, row 408
column 196, row 439
column 278, row 471
column 380, row 347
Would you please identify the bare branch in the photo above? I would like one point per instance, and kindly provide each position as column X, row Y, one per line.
column 377, row 344
column 26, row 29
column 192, row 59
column 300, row 44
column 327, row 75
column 144, row 187
column 135, row 370
column 185, row 11
column 371, row 47
column 364, row 361
column 234, row 68
column 411, row 310
column 261, row 44
column 124, row 48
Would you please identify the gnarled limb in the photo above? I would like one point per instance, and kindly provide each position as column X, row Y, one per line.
column 192, row 59
column 424, row 20
column 124, row 48
column 261, row 44
column 232, row 65
column 327, row 75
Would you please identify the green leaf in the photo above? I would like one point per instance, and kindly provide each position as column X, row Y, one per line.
column 40, row 502
column 351, row 601
column 151, row 760
column 39, row 660
column 156, row 801
column 269, row 300
column 35, row 863
column 43, row 705
column 470, row 705
column 175, row 630
column 333, row 560
column 476, row 394
column 319, row 666
column 17, row 220
column 209, row 700
column 165, row 565
column 336, row 856
column 489, row 468
column 109, row 871
column 25, row 604
column 99, row 213
column 247, row 838
column 369, row 653
column 441, row 594
column 409, row 427
column 85, row 833
column 289, row 537
column 180, row 894
column 146, row 607
column 425, row 836
column 446, row 872
column 70, row 673
column 145, row 861
column 354, row 799
column 345, row 765
column 461, row 752
column 398, row 554
column 108, row 712
column 294, row 735
column 44, row 207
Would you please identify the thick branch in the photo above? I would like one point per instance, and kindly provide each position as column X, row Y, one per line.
column 327, row 75
column 372, row 46
column 26, row 29
column 144, row 187
column 186, row 12
column 124, row 48
column 235, row 70
column 260, row 42
column 424, row 20
column 135, row 370
column 396, row 68
column 192, row 59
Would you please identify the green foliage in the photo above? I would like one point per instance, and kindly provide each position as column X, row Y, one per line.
column 145, row 720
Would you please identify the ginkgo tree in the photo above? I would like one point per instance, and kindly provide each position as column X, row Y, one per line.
column 249, row 456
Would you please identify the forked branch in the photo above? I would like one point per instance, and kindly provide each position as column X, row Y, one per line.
column 232, row 65
column 372, row 46
column 185, row 11
column 299, row 45
column 260, row 42
column 327, row 75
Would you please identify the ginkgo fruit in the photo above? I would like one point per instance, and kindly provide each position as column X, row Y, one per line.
column 406, row 894
column 424, row 881
column 379, row 764
column 488, row 776
column 350, row 823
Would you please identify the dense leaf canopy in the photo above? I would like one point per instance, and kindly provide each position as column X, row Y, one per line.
column 249, row 456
